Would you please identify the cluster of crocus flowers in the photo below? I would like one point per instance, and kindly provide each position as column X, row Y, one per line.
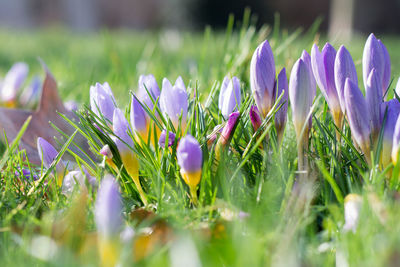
column 10, row 87
column 266, row 88
column 229, row 96
column 47, row 154
column 108, row 217
column 190, row 160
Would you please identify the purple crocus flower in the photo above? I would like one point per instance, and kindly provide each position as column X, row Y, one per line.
column 280, row 116
column 300, row 92
column 74, row 177
column 397, row 90
column 108, row 209
column 358, row 116
column 262, row 77
column 190, row 160
column 163, row 137
column 373, row 93
column 323, row 68
column 375, row 56
column 229, row 96
column 344, row 68
column 102, row 100
column 392, row 113
column 174, row 101
column 47, row 154
column 255, row 118
column 229, row 128
column 27, row 174
column 307, row 59
column 396, row 142
column 148, row 82
column 139, row 119
column 13, row 81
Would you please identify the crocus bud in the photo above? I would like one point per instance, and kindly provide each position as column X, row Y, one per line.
column 358, row 116
column 227, row 133
column 108, row 217
column 174, row 102
column 307, row 59
column 262, row 77
column 387, row 68
column 47, row 154
column 148, row 82
column 344, row 68
column 124, row 144
column 392, row 113
column 190, row 160
column 30, row 96
column 102, row 101
column 373, row 93
column 323, row 68
column 352, row 208
column 139, row 119
column 12, row 83
column 163, row 137
column 300, row 92
column 281, row 114
column 255, row 118
column 396, row 142
column 229, row 96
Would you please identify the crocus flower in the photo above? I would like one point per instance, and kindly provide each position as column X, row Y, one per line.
column 344, row 68
column 77, row 177
column 397, row 89
column 148, row 82
column 300, row 92
column 47, row 154
column 262, row 77
column 108, row 217
column 280, row 116
column 12, row 83
column 190, row 160
column 71, row 105
column 108, row 156
column 323, row 68
column 139, row 119
column 229, row 96
column 307, row 59
column 124, row 144
column 392, row 113
column 255, row 118
column 373, row 94
column 30, row 96
column 163, row 137
column 102, row 100
column 352, row 208
column 227, row 133
column 26, row 173
column 396, row 142
column 174, row 102
column 375, row 56
column 358, row 116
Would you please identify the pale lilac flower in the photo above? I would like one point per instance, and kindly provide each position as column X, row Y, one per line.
column 13, row 81
column 392, row 113
column 163, row 137
column 255, row 118
column 374, row 97
column 229, row 96
column 139, row 119
column 281, row 115
column 352, row 209
column 102, row 100
column 307, row 59
column 148, row 82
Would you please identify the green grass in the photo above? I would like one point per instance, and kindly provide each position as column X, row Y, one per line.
column 288, row 223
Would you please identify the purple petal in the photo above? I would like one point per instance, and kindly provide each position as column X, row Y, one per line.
column 281, row 114
column 392, row 113
column 344, row 68
column 255, row 118
column 387, row 68
column 229, row 128
column 307, row 59
column 373, row 93
column 101, row 102
column 47, row 153
column 262, row 77
column 13, row 81
column 121, row 129
column 357, row 114
column 231, row 99
column 138, row 116
column 189, row 154
column 222, row 91
column 108, row 208
column 148, row 82
column 174, row 102
column 163, row 137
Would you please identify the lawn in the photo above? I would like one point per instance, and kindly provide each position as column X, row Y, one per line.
column 252, row 210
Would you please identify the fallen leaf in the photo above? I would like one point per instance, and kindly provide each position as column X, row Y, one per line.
column 11, row 120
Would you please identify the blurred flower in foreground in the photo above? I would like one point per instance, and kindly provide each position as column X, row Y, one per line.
column 352, row 208
column 47, row 154
column 344, row 68
column 108, row 217
column 174, row 102
column 323, row 67
column 183, row 253
column 376, row 56
column 12, row 83
column 190, row 160
column 391, row 113
column 163, row 137
column 124, row 144
column 262, row 77
column 358, row 117
column 153, row 91
column 102, row 100
column 229, row 96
